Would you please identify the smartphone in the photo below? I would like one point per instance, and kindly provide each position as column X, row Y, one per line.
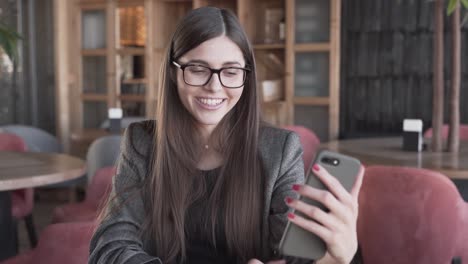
column 300, row 243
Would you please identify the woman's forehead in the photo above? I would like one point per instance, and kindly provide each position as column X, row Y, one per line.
column 216, row 52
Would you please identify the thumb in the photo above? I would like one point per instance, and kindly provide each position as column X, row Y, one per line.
column 254, row 261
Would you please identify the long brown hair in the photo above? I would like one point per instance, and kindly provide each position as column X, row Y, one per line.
column 237, row 197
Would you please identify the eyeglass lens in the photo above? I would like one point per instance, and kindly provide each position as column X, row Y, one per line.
column 199, row 75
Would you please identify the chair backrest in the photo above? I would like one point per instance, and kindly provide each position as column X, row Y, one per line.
column 445, row 131
column 309, row 141
column 12, row 142
column 103, row 152
column 36, row 139
column 100, row 185
column 64, row 243
column 409, row 215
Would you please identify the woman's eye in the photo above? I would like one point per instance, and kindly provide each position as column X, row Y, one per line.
column 231, row 72
column 196, row 69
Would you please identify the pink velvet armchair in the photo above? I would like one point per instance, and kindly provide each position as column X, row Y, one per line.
column 445, row 130
column 96, row 193
column 409, row 215
column 59, row 243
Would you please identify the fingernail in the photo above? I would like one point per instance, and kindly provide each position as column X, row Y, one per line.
column 316, row 167
column 296, row 187
column 289, row 200
column 291, row 216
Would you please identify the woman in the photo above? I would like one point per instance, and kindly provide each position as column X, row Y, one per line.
column 209, row 183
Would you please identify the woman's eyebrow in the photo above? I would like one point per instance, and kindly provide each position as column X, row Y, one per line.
column 231, row 63
column 202, row 62
column 198, row 62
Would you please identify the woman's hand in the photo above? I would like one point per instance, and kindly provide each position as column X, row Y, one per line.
column 336, row 227
column 256, row 261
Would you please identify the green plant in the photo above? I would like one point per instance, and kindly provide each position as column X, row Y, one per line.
column 453, row 4
column 9, row 41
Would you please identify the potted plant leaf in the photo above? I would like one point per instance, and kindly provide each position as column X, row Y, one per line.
column 9, row 42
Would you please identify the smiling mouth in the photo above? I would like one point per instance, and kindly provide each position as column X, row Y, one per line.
column 211, row 101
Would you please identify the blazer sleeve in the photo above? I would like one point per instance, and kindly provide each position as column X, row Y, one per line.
column 117, row 238
column 291, row 172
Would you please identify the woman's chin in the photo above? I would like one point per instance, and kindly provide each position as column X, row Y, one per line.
column 208, row 123
column 209, row 120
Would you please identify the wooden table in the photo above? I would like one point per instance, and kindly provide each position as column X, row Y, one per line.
column 388, row 151
column 25, row 170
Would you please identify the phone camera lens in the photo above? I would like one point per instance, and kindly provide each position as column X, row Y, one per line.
column 330, row 161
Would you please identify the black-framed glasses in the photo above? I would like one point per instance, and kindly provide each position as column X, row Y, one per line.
column 199, row 75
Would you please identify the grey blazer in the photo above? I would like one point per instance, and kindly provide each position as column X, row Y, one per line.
column 117, row 240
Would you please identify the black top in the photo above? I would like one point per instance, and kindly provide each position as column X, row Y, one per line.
column 200, row 245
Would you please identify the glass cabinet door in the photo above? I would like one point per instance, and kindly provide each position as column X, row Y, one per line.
column 312, row 74
column 94, row 75
column 312, row 21
column 93, row 67
column 312, row 54
column 93, row 29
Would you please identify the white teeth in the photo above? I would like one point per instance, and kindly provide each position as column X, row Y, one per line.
column 211, row 102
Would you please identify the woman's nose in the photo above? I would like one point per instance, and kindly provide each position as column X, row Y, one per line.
column 214, row 84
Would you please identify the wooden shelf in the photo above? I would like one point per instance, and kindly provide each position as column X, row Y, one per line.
column 126, row 3
column 312, row 47
column 94, row 52
column 92, row 4
column 319, row 101
column 131, row 51
column 94, row 97
column 274, row 60
column 135, row 81
column 229, row 4
column 177, row 1
column 273, row 103
column 132, row 97
column 269, row 46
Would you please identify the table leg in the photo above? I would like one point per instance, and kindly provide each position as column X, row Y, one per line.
column 7, row 228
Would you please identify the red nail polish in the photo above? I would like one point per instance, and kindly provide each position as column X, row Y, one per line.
column 296, row 187
column 291, row 216
column 316, row 167
column 289, row 200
